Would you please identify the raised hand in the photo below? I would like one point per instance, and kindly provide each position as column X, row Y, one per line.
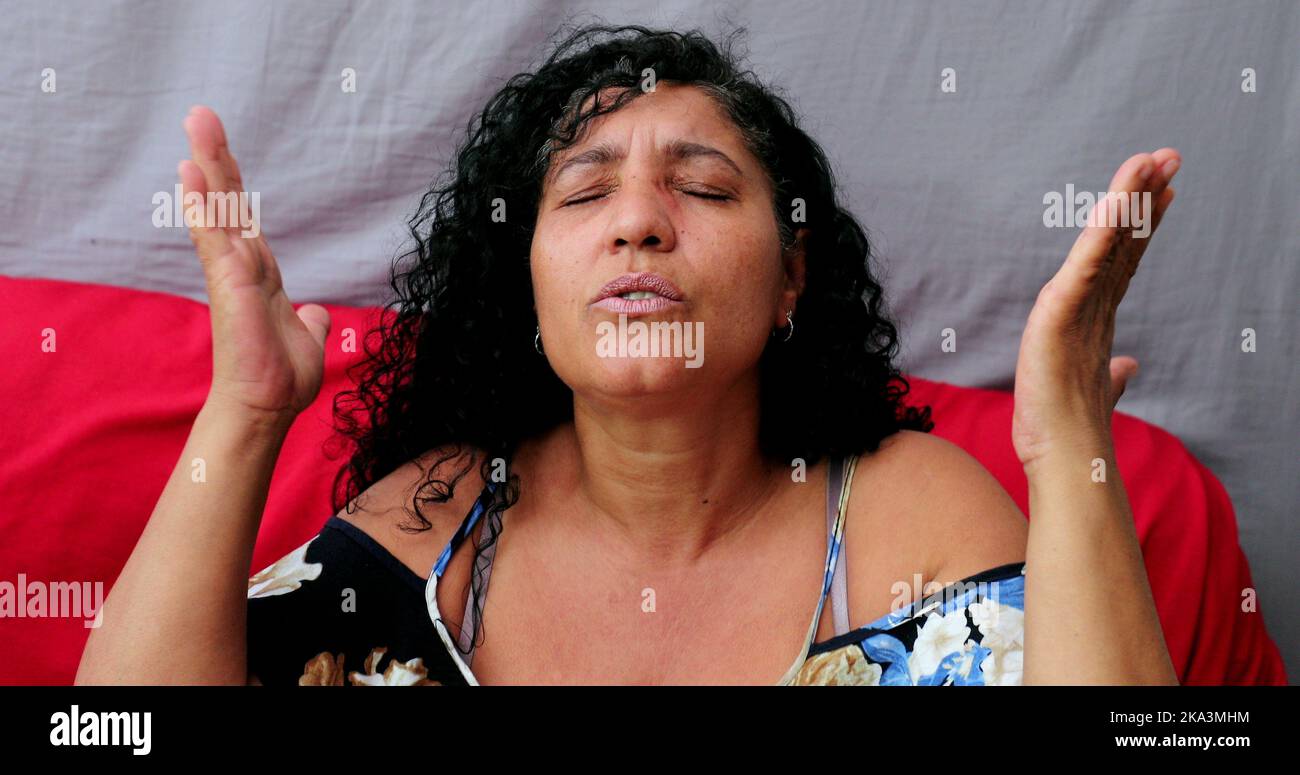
column 1067, row 384
column 267, row 359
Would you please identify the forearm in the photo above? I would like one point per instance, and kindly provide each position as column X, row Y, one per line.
column 177, row 613
column 1090, row 617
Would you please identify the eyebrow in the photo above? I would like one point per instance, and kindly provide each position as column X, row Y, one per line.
column 677, row 150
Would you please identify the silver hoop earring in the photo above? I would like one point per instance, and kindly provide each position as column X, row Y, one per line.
column 789, row 318
column 537, row 341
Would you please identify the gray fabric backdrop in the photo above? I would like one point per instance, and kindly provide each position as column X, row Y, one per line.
column 951, row 185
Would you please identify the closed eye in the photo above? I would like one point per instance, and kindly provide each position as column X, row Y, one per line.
column 707, row 195
column 581, row 200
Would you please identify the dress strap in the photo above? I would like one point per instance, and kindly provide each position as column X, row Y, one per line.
column 466, row 527
column 840, row 471
column 839, row 578
column 483, row 566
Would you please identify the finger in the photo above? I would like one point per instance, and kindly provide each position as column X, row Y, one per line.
column 1168, row 161
column 1112, row 210
column 1098, row 251
column 1162, row 206
column 1122, row 369
column 1137, row 183
column 1092, row 251
column 203, row 148
column 1159, row 209
column 226, row 157
column 210, row 242
column 208, row 149
column 317, row 320
column 1136, row 171
column 1138, row 247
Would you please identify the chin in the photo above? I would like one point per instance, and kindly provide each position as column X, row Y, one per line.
column 642, row 377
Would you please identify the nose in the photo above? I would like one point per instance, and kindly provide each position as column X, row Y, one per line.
column 639, row 217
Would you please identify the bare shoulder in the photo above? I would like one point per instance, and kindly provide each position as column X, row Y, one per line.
column 386, row 510
column 940, row 504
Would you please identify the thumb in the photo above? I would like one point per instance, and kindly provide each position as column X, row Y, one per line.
column 1122, row 369
column 317, row 320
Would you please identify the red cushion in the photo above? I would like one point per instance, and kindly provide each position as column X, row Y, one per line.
column 95, row 428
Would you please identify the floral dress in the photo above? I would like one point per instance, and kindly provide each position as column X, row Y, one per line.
column 341, row 611
column 970, row 634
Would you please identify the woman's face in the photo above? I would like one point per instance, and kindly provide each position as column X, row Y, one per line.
column 665, row 186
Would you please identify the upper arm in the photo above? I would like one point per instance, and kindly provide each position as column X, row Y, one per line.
column 966, row 521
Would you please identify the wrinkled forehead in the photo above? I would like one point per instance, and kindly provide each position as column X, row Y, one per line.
column 691, row 109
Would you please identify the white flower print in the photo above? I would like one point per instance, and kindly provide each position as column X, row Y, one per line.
column 409, row 673
column 998, row 624
column 286, row 575
column 1003, row 633
column 939, row 637
column 1004, row 669
column 967, row 660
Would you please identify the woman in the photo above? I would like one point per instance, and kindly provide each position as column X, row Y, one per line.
column 645, row 516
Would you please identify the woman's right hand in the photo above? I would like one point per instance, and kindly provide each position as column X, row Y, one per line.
column 267, row 359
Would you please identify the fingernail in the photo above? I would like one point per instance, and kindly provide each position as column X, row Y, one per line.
column 1170, row 167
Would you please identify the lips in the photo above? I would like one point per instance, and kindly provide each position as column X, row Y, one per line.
column 662, row 294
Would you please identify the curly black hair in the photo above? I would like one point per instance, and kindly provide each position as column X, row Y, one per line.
column 453, row 366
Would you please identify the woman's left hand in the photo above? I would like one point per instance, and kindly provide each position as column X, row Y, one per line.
column 1067, row 384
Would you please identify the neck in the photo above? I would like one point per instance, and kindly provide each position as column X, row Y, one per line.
column 668, row 481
